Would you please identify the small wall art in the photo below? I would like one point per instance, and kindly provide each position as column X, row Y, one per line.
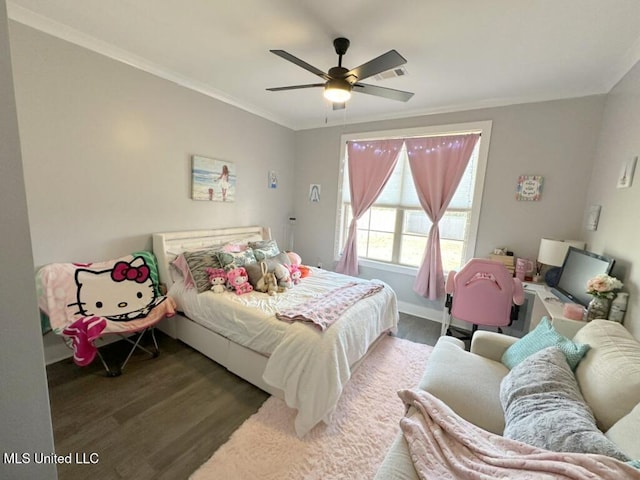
column 272, row 179
column 626, row 173
column 314, row 193
column 592, row 217
column 529, row 187
column 213, row 180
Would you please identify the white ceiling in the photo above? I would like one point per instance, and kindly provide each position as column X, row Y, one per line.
column 461, row 54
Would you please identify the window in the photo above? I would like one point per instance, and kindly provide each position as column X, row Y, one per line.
column 394, row 231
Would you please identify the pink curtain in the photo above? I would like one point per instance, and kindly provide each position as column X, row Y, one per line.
column 370, row 166
column 437, row 165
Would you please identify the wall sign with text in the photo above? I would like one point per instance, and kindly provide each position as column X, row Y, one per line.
column 529, row 187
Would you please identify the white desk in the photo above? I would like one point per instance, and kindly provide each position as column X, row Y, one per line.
column 547, row 304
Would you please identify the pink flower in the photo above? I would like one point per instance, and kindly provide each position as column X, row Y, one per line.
column 602, row 285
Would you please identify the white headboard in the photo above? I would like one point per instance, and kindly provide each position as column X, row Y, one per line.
column 167, row 246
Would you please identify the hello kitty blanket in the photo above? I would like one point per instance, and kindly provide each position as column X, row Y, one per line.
column 86, row 301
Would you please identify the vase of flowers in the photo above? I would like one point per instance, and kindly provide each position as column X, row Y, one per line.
column 602, row 288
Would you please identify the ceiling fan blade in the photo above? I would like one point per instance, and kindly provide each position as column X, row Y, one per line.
column 339, row 106
column 300, row 63
column 384, row 62
column 382, row 92
column 295, row 87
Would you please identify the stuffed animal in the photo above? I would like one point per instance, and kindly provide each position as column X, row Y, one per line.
column 295, row 273
column 305, row 271
column 217, row 278
column 283, row 276
column 239, row 280
column 272, row 284
column 294, row 258
column 267, row 283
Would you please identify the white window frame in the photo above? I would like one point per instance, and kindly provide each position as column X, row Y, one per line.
column 481, row 127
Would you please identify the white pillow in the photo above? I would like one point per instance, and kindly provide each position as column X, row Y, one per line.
column 609, row 374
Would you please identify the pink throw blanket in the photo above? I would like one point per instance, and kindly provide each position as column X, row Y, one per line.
column 84, row 331
column 324, row 311
column 443, row 445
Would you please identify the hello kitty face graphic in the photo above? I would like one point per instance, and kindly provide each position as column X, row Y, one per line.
column 122, row 293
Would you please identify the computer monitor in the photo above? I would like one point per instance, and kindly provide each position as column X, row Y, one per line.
column 578, row 268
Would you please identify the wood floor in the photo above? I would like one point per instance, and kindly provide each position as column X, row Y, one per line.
column 163, row 417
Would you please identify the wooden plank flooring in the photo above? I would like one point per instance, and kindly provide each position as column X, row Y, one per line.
column 163, row 417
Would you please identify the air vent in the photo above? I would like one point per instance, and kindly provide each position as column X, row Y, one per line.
column 394, row 72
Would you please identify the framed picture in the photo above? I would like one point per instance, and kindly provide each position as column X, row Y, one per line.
column 272, row 179
column 529, row 187
column 314, row 193
column 626, row 173
column 212, row 180
column 593, row 217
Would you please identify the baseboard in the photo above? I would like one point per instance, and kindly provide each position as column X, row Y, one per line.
column 428, row 313
column 420, row 311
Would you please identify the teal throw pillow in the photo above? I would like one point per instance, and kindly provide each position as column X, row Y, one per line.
column 264, row 249
column 231, row 260
column 543, row 336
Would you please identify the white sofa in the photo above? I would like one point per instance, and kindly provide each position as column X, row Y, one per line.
column 469, row 382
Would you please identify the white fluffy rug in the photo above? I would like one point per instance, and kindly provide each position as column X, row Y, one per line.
column 364, row 425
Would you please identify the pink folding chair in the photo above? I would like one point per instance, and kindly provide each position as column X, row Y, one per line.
column 483, row 292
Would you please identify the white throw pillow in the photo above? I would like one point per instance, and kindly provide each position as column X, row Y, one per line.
column 609, row 374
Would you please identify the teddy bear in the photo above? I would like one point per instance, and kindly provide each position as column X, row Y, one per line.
column 295, row 273
column 239, row 280
column 217, row 278
column 267, row 283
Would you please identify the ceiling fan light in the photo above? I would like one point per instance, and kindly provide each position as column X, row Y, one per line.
column 337, row 90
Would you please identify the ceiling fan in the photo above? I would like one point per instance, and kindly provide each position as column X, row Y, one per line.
column 340, row 82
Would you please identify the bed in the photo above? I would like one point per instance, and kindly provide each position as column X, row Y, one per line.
column 295, row 361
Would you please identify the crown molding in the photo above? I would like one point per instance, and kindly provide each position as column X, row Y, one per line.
column 39, row 22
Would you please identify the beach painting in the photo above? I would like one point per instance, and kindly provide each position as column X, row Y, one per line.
column 212, row 180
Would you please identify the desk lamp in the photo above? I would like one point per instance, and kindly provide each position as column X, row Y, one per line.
column 552, row 253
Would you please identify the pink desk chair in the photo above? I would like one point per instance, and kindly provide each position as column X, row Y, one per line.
column 483, row 292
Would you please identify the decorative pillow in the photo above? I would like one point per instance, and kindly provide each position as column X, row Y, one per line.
column 231, row 260
column 234, row 247
column 255, row 270
column 198, row 262
column 543, row 336
column 264, row 249
column 544, row 408
column 181, row 265
column 609, row 375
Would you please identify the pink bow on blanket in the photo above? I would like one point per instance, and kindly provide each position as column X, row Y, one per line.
column 125, row 271
column 82, row 333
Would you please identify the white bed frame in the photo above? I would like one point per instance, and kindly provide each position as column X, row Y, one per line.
column 240, row 360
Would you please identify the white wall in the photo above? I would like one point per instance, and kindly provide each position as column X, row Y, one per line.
column 554, row 139
column 618, row 232
column 107, row 148
column 25, row 420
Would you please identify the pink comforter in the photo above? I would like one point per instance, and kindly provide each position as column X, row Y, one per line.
column 443, row 445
